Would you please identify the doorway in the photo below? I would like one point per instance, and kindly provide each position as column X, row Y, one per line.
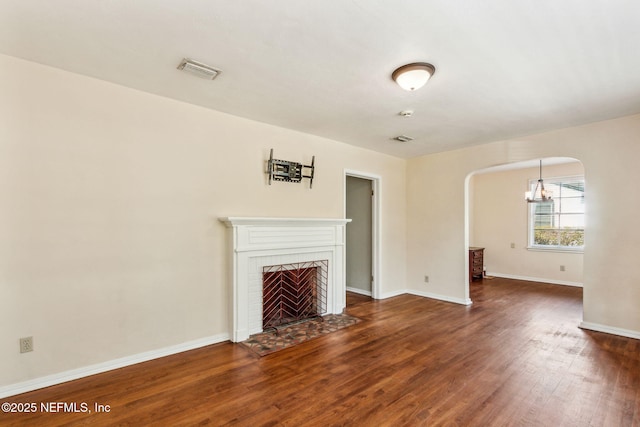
column 499, row 219
column 360, row 258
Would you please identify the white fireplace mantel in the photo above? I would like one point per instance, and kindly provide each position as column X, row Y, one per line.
column 282, row 222
column 258, row 242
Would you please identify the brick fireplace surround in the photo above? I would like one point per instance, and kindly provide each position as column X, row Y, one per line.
column 259, row 242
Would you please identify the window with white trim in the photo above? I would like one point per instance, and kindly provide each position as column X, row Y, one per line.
column 558, row 224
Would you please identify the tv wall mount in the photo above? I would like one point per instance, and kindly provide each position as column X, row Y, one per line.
column 284, row 170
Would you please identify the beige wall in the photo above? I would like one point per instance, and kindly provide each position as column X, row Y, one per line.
column 499, row 216
column 609, row 151
column 109, row 199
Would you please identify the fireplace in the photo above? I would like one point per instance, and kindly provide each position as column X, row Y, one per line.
column 293, row 292
column 257, row 243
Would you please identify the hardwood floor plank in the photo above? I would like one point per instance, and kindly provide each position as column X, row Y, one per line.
column 514, row 357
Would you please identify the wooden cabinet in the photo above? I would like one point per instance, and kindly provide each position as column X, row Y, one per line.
column 476, row 263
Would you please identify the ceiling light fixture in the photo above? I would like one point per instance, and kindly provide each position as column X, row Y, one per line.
column 413, row 76
column 198, row 69
column 539, row 195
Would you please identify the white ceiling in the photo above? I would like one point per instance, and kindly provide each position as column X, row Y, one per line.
column 505, row 68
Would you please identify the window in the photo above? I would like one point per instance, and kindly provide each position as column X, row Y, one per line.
column 558, row 224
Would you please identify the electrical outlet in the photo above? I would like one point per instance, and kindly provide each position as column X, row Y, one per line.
column 513, row 246
column 426, row 279
column 26, row 344
column 562, row 268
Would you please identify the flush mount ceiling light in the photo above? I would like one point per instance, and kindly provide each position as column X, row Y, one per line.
column 413, row 76
column 198, row 69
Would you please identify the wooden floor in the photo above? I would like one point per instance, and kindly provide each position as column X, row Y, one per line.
column 514, row 357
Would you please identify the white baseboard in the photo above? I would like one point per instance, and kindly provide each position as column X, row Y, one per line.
column 445, row 298
column 74, row 374
column 358, row 291
column 610, row 330
column 535, row 279
column 427, row 295
column 393, row 294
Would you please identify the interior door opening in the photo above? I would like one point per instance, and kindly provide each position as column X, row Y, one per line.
column 500, row 221
column 360, row 235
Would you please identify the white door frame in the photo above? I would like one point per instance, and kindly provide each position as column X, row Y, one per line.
column 376, row 182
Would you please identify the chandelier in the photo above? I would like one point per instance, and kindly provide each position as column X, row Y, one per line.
column 539, row 195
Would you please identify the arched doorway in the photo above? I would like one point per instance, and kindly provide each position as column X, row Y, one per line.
column 499, row 220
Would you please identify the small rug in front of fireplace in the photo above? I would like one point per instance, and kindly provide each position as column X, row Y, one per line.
column 295, row 333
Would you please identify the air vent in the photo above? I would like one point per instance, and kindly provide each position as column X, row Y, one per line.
column 403, row 138
column 198, row 69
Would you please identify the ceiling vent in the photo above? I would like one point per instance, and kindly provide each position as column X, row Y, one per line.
column 403, row 138
column 198, row 69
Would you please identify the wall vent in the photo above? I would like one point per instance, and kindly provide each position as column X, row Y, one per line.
column 198, row 69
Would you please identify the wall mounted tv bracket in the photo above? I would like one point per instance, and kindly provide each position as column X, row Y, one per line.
column 283, row 170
